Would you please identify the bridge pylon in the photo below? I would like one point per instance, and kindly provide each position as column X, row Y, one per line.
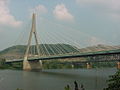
column 118, row 65
column 88, row 65
column 32, row 65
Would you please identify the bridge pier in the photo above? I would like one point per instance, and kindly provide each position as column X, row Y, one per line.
column 72, row 65
column 118, row 65
column 88, row 65
column 32, row 65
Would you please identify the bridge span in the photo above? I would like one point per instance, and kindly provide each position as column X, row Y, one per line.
column 35, row 63
column 112, row 55
column 106, row 56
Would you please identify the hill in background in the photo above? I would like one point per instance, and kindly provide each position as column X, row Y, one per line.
column 18, row 51
column 99, row 47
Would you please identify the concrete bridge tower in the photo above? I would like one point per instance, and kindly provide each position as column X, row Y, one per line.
column 32, row 65
column 118, row 65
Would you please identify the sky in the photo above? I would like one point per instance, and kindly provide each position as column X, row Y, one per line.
column 82, row 22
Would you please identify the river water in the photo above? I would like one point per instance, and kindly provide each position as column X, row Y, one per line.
column 55, row 79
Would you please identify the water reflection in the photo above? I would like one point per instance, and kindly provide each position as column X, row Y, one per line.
column 93, row 79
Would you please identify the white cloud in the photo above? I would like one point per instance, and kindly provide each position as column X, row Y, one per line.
column 94, row 41
column 40, row 9
column 62, row 13
column 109, row 8
column 6, row 18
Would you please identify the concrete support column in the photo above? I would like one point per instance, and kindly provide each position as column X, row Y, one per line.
column 72, row 65
column 88, row 65
column 32, row 65
column 118, row 65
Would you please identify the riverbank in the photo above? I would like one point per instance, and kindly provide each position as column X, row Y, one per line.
column 58, row 65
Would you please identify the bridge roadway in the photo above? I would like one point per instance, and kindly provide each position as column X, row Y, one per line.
column 91, row 54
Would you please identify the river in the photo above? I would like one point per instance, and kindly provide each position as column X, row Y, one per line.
column 54, row 79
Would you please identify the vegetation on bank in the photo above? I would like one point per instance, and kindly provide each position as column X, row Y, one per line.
column 67, row 65
column 19, row 89
column 114, row 81
column 55, row 64
column 77, row 86
column 3, row 65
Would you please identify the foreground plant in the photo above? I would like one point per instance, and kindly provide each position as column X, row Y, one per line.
column 114, row 82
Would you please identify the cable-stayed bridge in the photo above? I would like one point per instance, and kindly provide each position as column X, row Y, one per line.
column 34, row 54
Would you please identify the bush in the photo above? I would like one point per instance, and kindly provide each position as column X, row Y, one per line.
column 114, row 82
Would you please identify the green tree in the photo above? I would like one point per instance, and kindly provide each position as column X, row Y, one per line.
column 19, row 89
column 2, row 62
column 67, row 87
column 114, row 82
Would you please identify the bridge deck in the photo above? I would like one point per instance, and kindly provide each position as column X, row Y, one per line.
column 112, row 52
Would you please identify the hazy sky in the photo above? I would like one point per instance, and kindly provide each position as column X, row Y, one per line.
column 83, row 22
